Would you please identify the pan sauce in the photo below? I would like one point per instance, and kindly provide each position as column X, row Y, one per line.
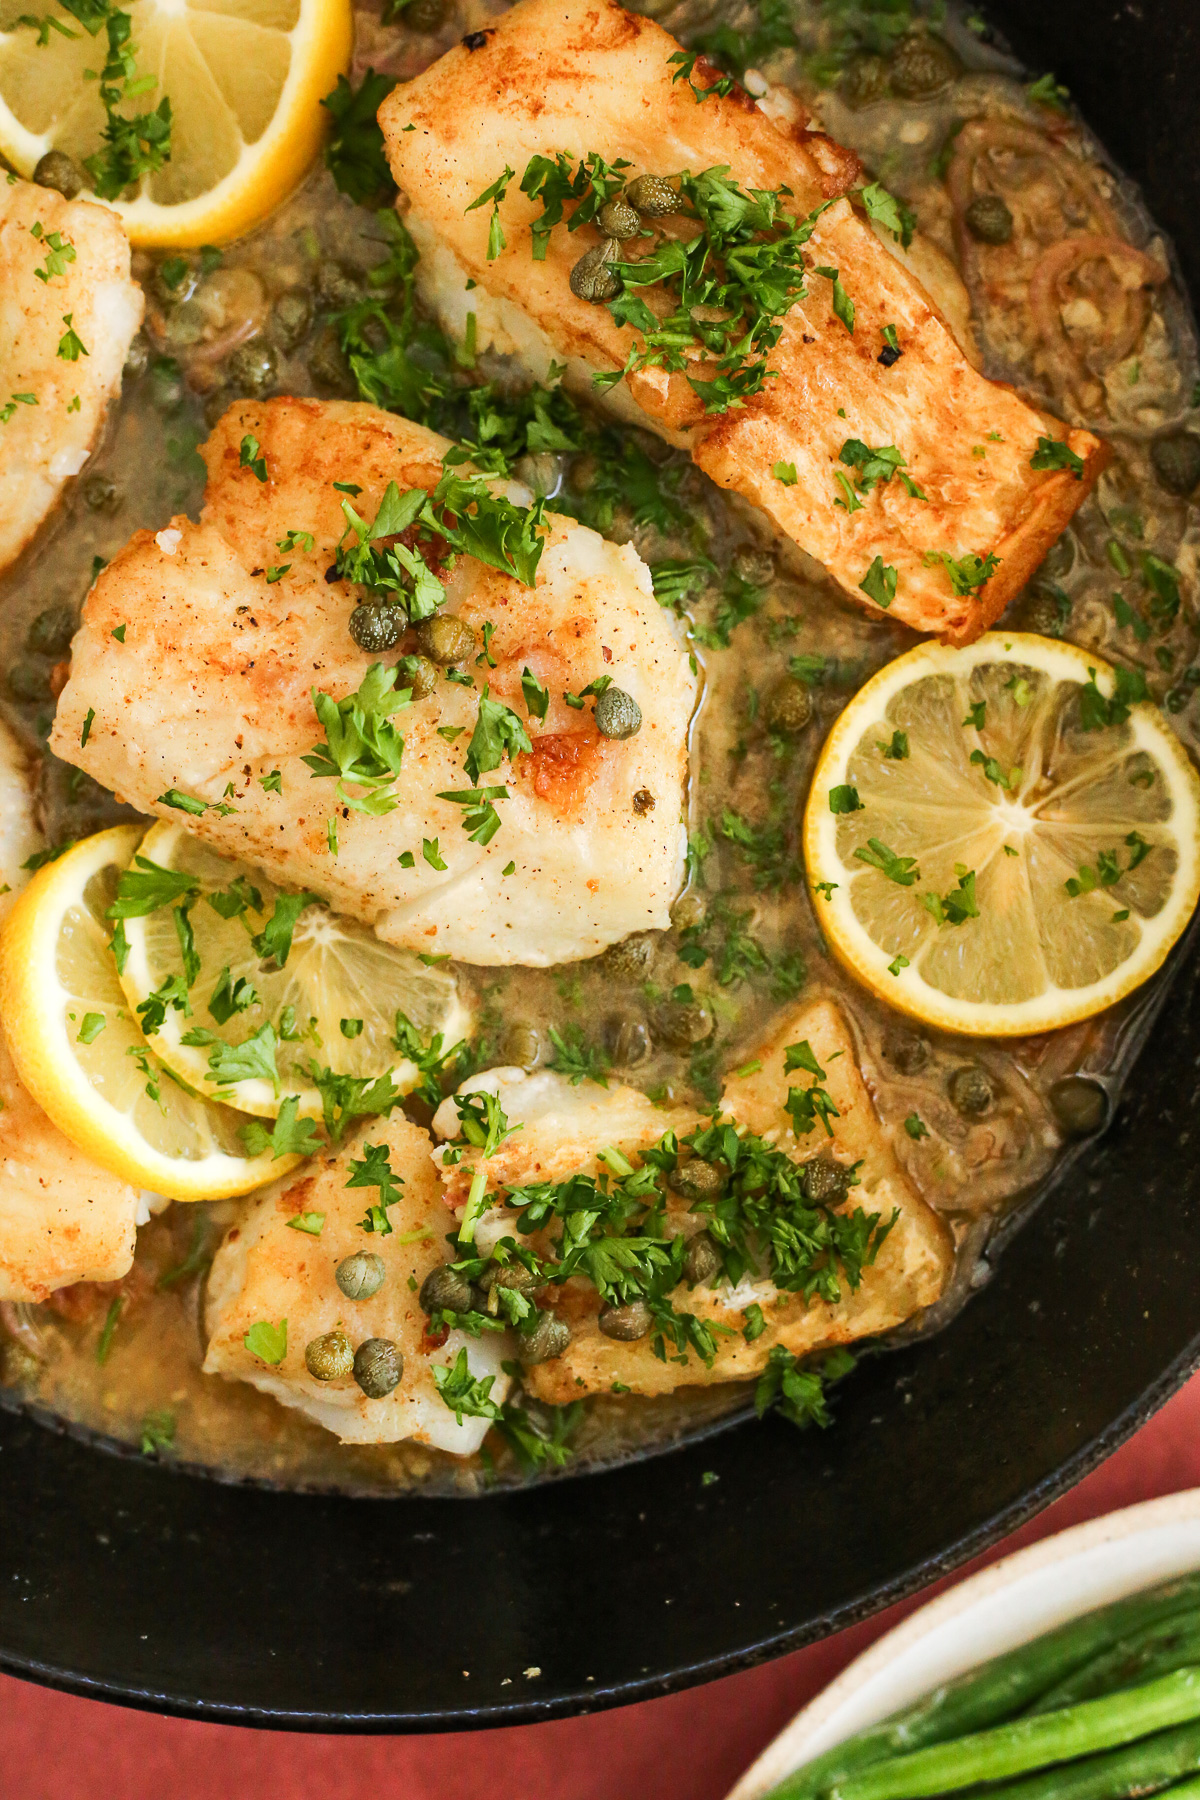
column 1121, row 367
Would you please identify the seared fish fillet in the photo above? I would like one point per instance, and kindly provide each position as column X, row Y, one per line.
column 267, row 1271
column 53, row 407
column 564, row 1132
column 62, row 1219
column 584, row 75
column 211, row 687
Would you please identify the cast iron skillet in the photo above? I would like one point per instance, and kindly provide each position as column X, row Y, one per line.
column 127, row 1581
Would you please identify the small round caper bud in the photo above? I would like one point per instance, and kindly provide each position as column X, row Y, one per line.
column 682, row 1024
column 591, row 278
column 626, row 1322
column 754, row 564
column 378, row 1366
column 1176, row 462
column 101, row 493
column 626, row 1039
column 1043, row 613
column 1079, row 1105
column 185, row 325
column 701, row 1260
column 291, row 317
column 19, row 1367
column 137, row 358
column 864, row 79
column 520, row 1047
column 920, row 65
column 59, row 171
column 327, row 365
column 548, row 1339
column 988, row 219
column 445, row 638
column 972, row 1091
column 253, row 368
column 698, row 1180
column 630, row 959
column 329, row 1358
column 825, row 1182
column 52, row 631
column 376, row 625
column 653, row 196
column 510, row 1275
column 687, row 911
column 789, row 707
column 419, row 674
column 617, row 219
column 905, row 1050
column 337, row 285
column 166, row 384
column 618, row 714
column 361, row 1275
column 541, row 472
column 29, row 682
column 447, row 1290
column 425, row 15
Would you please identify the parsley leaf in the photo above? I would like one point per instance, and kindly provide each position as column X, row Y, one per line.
column 1053, row 453
column 879, row 583
column 268, row 1342
column 959, row 905
column 465, row 1394
column 288, row 1136
column 361, row 745
column 902, row 870
column 355, row 154
column 796, row 1391
column 498, row 733
column 884, row 209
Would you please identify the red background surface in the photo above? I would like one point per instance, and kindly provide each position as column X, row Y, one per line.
column 692, row 1746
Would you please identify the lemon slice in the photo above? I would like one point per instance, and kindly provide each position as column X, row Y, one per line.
column 80, row 1054
column 343, row 985
column 1023, row 851
column 244, row 77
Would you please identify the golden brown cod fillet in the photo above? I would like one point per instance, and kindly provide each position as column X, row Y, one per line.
column 564, row 1128
column 209, row 685
column 585, row 75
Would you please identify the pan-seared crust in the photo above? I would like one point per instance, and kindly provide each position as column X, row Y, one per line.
column 584, row 75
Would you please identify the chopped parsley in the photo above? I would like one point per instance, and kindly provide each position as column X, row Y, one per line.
column 267, row 1342
column 465, row 1394
column 361, row 745
column 250, row 456
column 495, row 194
column 967, row 573
column 1095, row 712
column 480, row 819
column 374, row 1170
column 288, row 1136
column 797, row 1392
column 1053, row 453
column 897, row 749
column 844, row 799
column 902, row 870
column 884, row 209
column 879, row 583
column 498, row 733
column 70, row 345
column 785, row 472
column 355, row 154
column 959, row 905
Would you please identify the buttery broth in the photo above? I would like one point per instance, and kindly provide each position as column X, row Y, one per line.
column 124, row 1361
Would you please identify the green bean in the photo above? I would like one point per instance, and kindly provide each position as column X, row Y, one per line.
column 994, row 1691
column 1165, row 1645
column 1031, row 1743
column 1134, row 1769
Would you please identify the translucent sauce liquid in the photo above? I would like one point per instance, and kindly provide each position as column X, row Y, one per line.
column 751, row 912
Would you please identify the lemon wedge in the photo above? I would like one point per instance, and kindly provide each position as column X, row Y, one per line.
column 1002, row 839
column 332, row 1003
column 78, row 1049
column 244, row 77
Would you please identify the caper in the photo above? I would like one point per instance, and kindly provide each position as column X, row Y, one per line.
column 989, row 220
column 19, row 1367
column 377, row 625
column 825, row 1182
column 337, row 285
column 185, row 325
column 548, row 1339
column 327, row 365
column 520, row 1047
column 698, row 1180
column 630, row 960
column 789, row 707
column 682, row 1024
column 1176, row 461
column 101, row 493
column 329, row 1358
column 166, row 383
column 754, row 565
column 905, row 1050
column 59, row 171
column 361, row 1275
column 701, row 1260
column 425, row 15
column 864, row 79
column 617, row 219
column 920, row 65
column 291, row 317
column 253, row 368
column 510, row 1275
column 689, row 910
column 591, row 278
column 1058, row 560
column 626, row 1322
column 618, row 714
column 137, row 357
column 29, row 681
column 653, row 196
column 541, row 473
column 447, row 1290
column 445, row 638
column 643, row 802
column 418, row 674
column 52, row 631
column 626, row 1039
column 972, row 1091
column 1079, row 1105
column 1044, row 614
column 378, row 1366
